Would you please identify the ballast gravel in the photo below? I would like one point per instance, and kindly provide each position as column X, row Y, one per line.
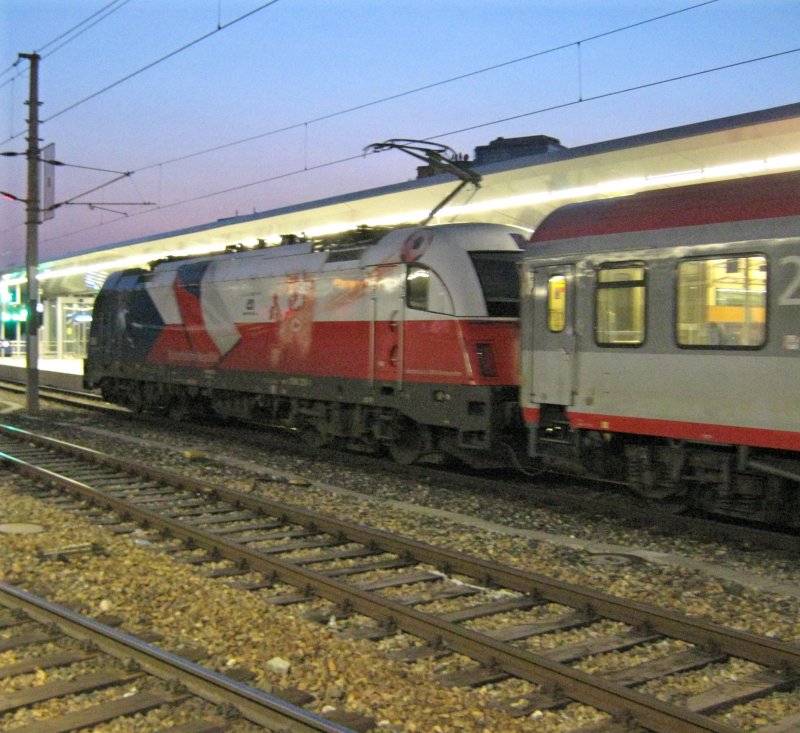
column 756, row 590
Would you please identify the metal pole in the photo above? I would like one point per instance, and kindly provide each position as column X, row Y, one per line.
column 32, row 238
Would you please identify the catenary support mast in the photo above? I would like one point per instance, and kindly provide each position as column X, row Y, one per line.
column 32, row 240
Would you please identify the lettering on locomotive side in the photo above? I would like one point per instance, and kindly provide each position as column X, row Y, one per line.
column 195, row 358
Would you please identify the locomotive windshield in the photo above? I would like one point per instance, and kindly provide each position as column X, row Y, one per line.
column 499, row 276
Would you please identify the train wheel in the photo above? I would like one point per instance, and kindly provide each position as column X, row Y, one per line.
column 179, row 408
column 660, row 493
column 108, row 391
column 135, row 401
column 312, row 437
column 411, row 442
column 654, row 471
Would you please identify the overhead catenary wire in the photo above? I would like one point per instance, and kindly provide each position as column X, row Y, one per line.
column 617, row 92
column 571, row 103
column 363, row 105
column 80, row 28
column 450, row 80
column 160, row 60
column 327, row 116
column 220, row 27
column 428, row 87
column 540, row 110
column 77, row 30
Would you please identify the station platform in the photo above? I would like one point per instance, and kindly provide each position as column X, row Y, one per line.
column 59, row 373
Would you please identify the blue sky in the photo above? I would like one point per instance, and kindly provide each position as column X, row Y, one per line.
column 286, row 74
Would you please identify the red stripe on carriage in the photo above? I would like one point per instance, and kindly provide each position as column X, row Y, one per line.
column 740, row 199
column 680, row 430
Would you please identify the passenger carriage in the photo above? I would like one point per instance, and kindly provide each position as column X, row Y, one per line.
column 661, row 342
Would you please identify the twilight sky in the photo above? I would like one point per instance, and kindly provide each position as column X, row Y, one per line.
column 225, row 107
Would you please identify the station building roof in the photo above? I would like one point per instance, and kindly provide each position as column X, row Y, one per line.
column 521, row 191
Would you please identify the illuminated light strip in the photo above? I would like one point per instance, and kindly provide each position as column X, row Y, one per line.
column 621, row 185
column 791, row 160
column 11, row 280
column 121, row 264
column 723, row 171
column 127, row 262
column 694, row 174
column 632, row 185
column 383, row 221
column 604, row 188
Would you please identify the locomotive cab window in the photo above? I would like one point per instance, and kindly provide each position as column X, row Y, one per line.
column 498, row 273
column 417, row 286
column 722, row 302
column 426, row 291
column 620, row 304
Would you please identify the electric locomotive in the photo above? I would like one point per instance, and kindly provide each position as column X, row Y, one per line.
column 660, row 339
column 407, row 341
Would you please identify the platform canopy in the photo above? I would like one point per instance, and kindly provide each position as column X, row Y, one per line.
column 520, row 191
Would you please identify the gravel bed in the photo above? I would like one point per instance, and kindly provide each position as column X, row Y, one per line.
column 324, row 484
column 708, row 580
column 156, row 593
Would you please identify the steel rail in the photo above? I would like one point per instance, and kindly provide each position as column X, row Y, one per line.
column 615, row 699
column 713, row 530
column 762, row 650
column 254, row 705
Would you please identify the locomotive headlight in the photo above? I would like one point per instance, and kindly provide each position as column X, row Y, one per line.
column 441, row 396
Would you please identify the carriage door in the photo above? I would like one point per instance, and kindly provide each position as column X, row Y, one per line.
column 386, row 327
column 553, row 357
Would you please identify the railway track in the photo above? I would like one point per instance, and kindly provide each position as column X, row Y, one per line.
column 60, row 395
column 610, row 500
column 444, row 602
column 136, row 676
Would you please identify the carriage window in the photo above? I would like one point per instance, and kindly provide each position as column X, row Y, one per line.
column 417, row 281
column 556, row 303
column 620, row 304
column 722, row 303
